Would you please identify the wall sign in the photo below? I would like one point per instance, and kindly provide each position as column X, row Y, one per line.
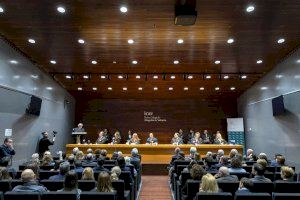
column 151, row 117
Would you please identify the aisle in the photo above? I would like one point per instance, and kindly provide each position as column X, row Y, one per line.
column 155, row 187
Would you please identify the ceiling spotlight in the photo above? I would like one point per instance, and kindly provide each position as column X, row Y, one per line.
column 125, row 88
column 138, row 77
column 217, row 88
column 53, row 62
column 34, row 76
column 114, row 62
column 155, row 88
column 217, row 62
column 49, row 88
column 173, row 77
column 103, row 77
column 243, row 77
column 226, row 77
column 16, row 76
column 13, row 62
column 32, row 41
column 94, row 62
column 259, row 61
column 134, row 62
column 180, row 41
column 68, row 76
column 185, row 88
column 123, row 9
column 264, row 88
column 281, row 40
column 298, row 61
column 94, row 88
column 61, row 9
column 232, row 88
column 130, row 41
column 176, row 62
column 201, row 88
column 190, row 77
column 230, row 41
column 279, row 76
column 250, row 9
column 80, row 88
column 170, row 88
column 140, row 88
column 208, row 76
column 81, row 41
column 1, row 10
column 120, row 77
column 109, row 88
column 85, row 76
column 155, row 77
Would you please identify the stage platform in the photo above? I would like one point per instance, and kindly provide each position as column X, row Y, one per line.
column 154, row 154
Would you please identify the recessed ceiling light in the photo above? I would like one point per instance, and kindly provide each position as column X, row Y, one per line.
column 114, row 62
column 53, row 62
column 68, row 76
column 155, row 88
column 217, row 88
column 123, row 9
column 13, row 62
column 109, row 88
column 180, row 41
column 232, row 88
column 170, row 88
column 138, row 77
column 226, row 77
column 80, row 88
column 190, row 77
column 130, row 41
column 61, row 9
column 94, row 88
column 201, row 88
column 208, row 76
column 176, row 62
column 125, row 88
column 173, row 77
column 16, row 76
column 217, row 62
column 34, row 76
column 279, row 76
column 120, row 77
column 32, row 41
column 264, row 88
column 140, row 88
column 281, row 40
column 298, row 61
column 259, row 61
column 250, row 9
column 94, row 62
column 85, row 76
column 243, row 77
column 185, row 88
column 230, row 41
column 1, row 10
column 134, row 62
column 103, row 77
column 81, row 41
column 155, row 77
column 49, row 88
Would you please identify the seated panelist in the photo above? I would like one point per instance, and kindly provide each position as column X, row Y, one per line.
column 196, row 140
column 206, row 137
column 151, row 140
column 134, row 139
column 176, row 140
column 116, row 138
column 219, row 139
column 102, row 139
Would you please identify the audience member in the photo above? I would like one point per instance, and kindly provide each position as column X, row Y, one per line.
column 258, row 172
column 197, row 172
column 64, row 167
column 78, row 166
column 193, row 151
column 263, row 156
column 75, row 150
column 6, row 152
column 71, row 184
column 233, row 153
column 223, row 161
column 287, row 174
column 71, row 159
column 135, row 158
column 236, row 165
column 88, row 174
column 99, row 167
column 115, row 173
column 249, row 155
column 79, row 155
column 245, row 185
column 103, row 154
column 280, row 161
column 47, row 160
column 89, row 160
column 209, row 184
column 97, row 154
column 104, row 183
column 224, row 175
column 4, row 174
column 124, row 168
column 220, row 153
column 34, row 166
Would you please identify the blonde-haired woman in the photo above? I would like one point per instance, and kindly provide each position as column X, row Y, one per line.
column 208, row 184
column 219, row 139
column 88, row 174
column 104, row 183
column 134, row 140
column 115, row 173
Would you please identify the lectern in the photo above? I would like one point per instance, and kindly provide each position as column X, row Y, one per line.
column 78, row 134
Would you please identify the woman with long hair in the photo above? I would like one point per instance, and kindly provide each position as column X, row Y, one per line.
column 104, row 183
column 88, row 174
column 134, row 140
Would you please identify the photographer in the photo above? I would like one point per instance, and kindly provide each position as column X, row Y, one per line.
column 44, row 142
column 6, row 151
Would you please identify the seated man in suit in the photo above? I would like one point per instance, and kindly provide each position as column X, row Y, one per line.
column 245, row 185
column 258, row 171
column 78, row 166
column 223, row 175
column 6, row 151
column 122, row 164
column 176, row 140
column 64, row 167
column 135, row 159
column 30, row 184
column 151, row 140
column 99, row 167
column 102, row 139
column 89, row 160
column 206, row 137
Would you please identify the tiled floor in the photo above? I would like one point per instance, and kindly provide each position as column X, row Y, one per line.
column 155, row 187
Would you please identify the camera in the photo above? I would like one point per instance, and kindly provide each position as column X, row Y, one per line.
column 54, row 133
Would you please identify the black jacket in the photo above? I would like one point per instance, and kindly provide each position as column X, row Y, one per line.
column 44, row 144
column 6, row 153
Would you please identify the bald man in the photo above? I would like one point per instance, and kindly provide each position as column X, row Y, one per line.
column 30, row 184
column 223, row 175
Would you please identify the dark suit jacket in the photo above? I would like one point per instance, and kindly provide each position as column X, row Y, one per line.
column 261, row 179
column 136, row 162
column 78, row 129
column 154, row 140
column 206, row 139
column 5, row 152
column 228, row 178
column 44, row 144
column 100, row 169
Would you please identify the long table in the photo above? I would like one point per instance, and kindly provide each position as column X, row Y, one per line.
column 154, row 154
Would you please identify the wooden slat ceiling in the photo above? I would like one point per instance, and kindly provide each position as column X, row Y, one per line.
column 151, row 25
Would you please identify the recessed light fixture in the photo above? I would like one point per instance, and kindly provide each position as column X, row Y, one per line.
column 201, row 88
column 232, row 88
column 34, row 76
column 279, row 76
column 134, row 62
column 230, row 41
column 208, row 76
column 140, row 88
column 259, row 61
column 13, row 62
column 114, row 62
column 130, row 41
column 170, row 88
column 176, row 62
column 85, row 76
column 217, row 62
column 173, row 77
column 185, row 88
column 53, row 62
column 138, row 77
column 32, row 41
column 123, row 9
column 243, row 77
column 61, row 9
column 125, row 88
column 1, row 10
column 120, row 77
column 250, row 9
column 226, row 77
column 49, row 88
column 190, row 77
column 264, row 88
column 155, row 88
column 103, row 77
column 155, row 77
column 298, row 61
column 94, row 88
column 80, row 88
column 217, row 88
column 16, row 76
column 109, row 88
column 94, row 62
column 281, row 40
column 68, row 76
column 180, row 41
column 81, row 41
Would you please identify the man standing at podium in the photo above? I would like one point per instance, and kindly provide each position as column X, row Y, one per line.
column 79, row 128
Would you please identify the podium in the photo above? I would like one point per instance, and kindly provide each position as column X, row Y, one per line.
column 78, row 134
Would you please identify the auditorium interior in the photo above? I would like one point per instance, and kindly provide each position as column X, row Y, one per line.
column 161, row 99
